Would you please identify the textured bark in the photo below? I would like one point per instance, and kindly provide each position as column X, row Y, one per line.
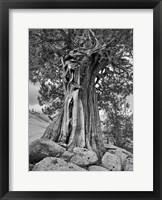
column 78, row 123
column 92, row 120
column 52, row 132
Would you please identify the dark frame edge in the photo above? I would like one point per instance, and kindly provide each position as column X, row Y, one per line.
column 156, row 98
column 4, row 115
column 4, row 100
column 80, row 4
column 1, row 154
column 160, row 39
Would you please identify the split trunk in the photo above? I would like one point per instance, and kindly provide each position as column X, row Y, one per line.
column 78, row 122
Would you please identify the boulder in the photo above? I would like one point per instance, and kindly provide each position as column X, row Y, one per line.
column 55, row 164
column 42, row 148
column 110, row 146
column 97, row 168
column 31, row 167
column 121, row 155
column 128, row 164
column 111, row 162
column 112, row 149
column 67, row 155
column 83, row 157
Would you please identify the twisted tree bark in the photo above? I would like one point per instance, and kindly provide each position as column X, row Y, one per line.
column 78, row 123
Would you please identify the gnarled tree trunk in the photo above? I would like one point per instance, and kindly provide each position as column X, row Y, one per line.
column 78, row 123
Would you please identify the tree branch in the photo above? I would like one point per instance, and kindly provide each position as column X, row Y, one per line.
column 67, row 38
column 101, row 65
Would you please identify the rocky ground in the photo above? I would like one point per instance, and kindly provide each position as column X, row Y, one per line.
column 45, row 155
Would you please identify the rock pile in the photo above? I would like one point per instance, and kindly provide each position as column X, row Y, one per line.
column 45, row 155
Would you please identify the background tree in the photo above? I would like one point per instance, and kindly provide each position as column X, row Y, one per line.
column 79, row 70
column 119, row 122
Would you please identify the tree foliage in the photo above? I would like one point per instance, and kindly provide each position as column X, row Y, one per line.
column 48, row 46
column 119, row 122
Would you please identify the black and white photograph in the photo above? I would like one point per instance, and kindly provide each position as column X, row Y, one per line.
column 80, row 97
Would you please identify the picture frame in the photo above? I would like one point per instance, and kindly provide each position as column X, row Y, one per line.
column 5, row 6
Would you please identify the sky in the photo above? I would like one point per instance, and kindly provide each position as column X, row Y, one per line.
column 33, row 95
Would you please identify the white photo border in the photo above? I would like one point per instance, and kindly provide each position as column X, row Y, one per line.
column 141, row 179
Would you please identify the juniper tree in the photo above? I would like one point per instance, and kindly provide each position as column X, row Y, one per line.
column 79, row 70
